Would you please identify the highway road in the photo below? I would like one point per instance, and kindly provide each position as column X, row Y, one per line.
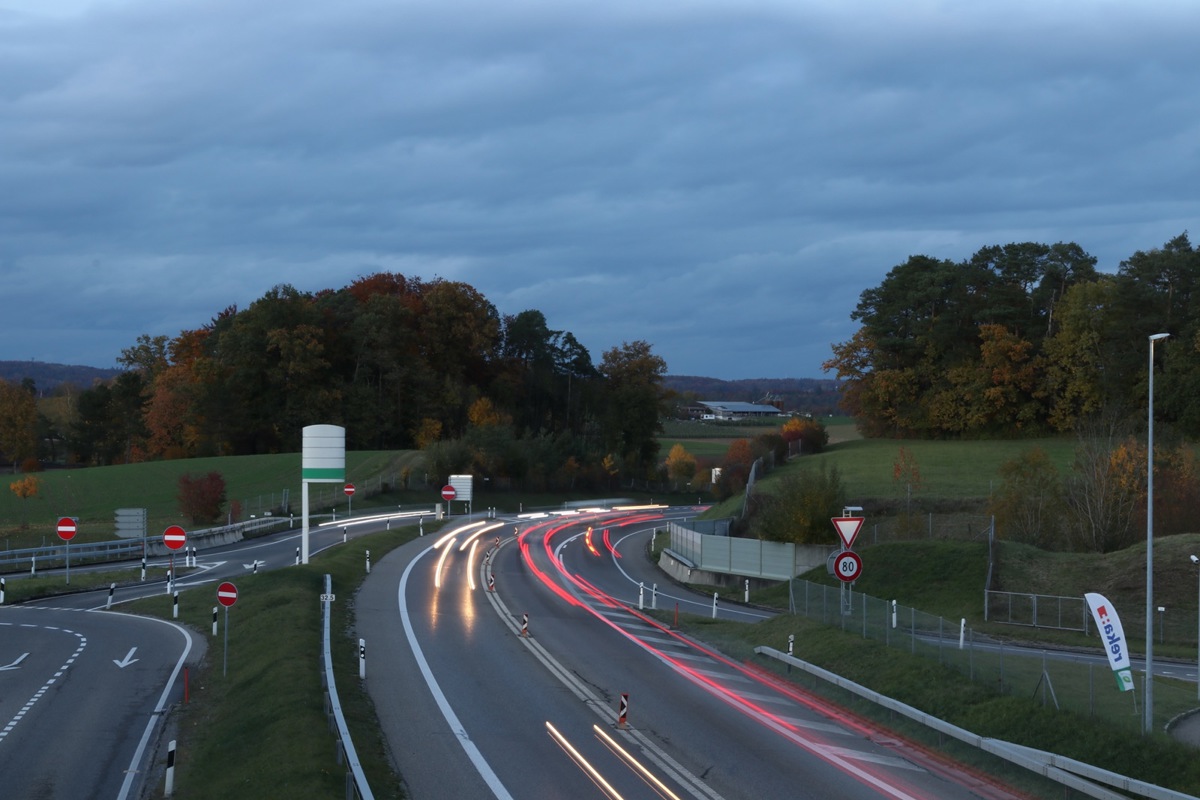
column 549, row 683
column 84, row 691
column 80, row 695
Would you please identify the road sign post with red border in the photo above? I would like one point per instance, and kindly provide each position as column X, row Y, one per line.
column 448, row 494
column 66, row 531
column 348, row 490
column 227, row 595
column 847, row 566
column 847, row 529
column 174, row 537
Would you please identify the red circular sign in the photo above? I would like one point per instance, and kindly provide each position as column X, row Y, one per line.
column 174, row 537
column 227, row 594
column 449, row 493
column 847, row 566
column 348, row 489
column 66, row 529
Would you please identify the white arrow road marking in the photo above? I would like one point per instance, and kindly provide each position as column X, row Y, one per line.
column 129, row 659
column 256, row 563
column 15, row 664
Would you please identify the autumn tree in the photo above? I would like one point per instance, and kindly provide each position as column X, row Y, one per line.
column 1176, row 489
column 202, row 498
column 1105, row 488
column 800, row 508
column 25, row 488
column 633, row 404
column 681, row 465
column 18, row 423
column 809, row 435
column 735, row 469
column 1029, row 502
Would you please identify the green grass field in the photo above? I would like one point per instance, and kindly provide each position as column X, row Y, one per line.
column 257, row 482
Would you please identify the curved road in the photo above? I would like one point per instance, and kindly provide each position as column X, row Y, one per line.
column 80, row 696
column 518, row 692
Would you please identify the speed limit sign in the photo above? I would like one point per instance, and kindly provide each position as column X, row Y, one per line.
column 847, row 566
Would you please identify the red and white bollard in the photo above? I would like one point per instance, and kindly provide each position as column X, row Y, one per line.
column 623, row 713
column 524, row 624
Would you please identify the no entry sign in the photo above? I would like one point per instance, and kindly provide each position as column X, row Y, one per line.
column 174, row 538
column 66, row 529
column 227, row 594
column 449, row 493
column 348, row 489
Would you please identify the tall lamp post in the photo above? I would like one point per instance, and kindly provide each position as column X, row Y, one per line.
column 1197, row 561
column 1148, row 710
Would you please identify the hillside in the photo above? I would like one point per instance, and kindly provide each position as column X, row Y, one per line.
column 46, row 376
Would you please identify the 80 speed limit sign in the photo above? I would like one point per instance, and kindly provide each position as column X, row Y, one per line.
column 847, row 566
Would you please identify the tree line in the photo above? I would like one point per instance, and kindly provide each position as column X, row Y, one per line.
column 400, row 362
column 1023, row 339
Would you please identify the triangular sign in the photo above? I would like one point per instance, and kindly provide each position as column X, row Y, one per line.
column 847, row 529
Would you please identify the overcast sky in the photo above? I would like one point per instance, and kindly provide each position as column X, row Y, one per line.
column 721, row 178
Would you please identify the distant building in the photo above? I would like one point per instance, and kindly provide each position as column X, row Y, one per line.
column 727, row 410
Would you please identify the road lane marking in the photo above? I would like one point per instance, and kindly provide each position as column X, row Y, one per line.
column 81, row 643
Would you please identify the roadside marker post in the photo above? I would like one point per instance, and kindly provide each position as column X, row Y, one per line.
column 175, row 606
column 169, row 787
column 362, row 659
column 623, row 712
column 714, row 616
column 112, row 587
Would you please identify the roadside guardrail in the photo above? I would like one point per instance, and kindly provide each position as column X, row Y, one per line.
column 356, row 781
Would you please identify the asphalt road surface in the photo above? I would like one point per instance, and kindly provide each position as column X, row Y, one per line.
column 550, row 683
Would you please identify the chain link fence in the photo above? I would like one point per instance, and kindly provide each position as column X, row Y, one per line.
column 1075, row 681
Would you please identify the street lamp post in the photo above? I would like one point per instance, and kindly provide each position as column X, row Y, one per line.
column 1148, row 711
column 1196, row 560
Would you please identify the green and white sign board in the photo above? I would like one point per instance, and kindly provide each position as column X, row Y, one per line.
column 323, row 460
column 324, row 456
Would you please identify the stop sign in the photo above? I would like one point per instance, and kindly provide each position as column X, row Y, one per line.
column 448, row 493
column 66, row 529
column 348, row 489
column 174, row 537
column 227, row 594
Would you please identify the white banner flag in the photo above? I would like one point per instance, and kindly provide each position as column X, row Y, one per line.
column 1113, row 636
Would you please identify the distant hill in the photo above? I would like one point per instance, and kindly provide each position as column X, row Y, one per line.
column 810, row 395
column 47, row 376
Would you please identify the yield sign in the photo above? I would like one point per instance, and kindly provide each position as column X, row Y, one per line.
column 847, row 529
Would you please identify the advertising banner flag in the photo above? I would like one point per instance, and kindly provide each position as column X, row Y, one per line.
column 1113, row 636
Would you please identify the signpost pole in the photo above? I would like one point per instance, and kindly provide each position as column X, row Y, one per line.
column 66, row 532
